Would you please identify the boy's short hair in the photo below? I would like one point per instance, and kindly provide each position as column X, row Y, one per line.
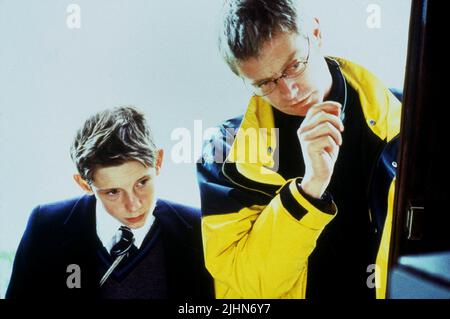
column 248, row 24
column 113, row 137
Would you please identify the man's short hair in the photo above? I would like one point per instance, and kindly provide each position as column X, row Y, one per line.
column 248, row 24
column 113, row 137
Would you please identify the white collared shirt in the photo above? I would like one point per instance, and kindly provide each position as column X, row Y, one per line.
column 107, row 227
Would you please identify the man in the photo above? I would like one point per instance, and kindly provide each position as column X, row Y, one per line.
column 310, row 215
column 118, row 241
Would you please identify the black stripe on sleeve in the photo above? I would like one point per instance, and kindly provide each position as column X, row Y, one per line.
column 290, row 203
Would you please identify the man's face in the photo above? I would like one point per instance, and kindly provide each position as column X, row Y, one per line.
column 292, row 96
column 126, row 191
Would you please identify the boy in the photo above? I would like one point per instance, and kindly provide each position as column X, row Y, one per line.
column 118, row 241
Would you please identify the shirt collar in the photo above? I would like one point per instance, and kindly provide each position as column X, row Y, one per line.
column 107, row 226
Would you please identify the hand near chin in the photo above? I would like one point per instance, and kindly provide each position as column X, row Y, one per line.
column 320, row 137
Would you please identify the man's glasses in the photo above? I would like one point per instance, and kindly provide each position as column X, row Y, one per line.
column 291, row 72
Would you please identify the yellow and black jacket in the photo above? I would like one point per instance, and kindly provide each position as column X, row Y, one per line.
column 259, row 230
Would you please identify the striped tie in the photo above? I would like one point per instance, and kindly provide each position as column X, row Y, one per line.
column 125, row 244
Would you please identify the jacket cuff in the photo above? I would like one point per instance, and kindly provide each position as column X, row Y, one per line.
column 324, row 204
column 311, row 212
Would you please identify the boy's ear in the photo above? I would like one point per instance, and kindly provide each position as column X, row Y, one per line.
column 159, row 160
column 83, row 184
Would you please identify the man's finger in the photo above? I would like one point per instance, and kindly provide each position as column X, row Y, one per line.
column 324, row 143
column 328, row 107
column 321, row 130
column 320, row 118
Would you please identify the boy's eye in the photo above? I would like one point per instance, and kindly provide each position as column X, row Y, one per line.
column 112, row 192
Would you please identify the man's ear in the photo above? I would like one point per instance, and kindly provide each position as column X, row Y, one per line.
column 82, row 183
column 159, row 160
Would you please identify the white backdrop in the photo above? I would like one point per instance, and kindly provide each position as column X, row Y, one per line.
column 158, row 55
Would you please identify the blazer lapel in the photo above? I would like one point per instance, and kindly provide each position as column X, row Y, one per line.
column 182, row 251
column 79, row 243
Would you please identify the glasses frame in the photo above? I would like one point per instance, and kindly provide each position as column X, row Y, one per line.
column 284, row 75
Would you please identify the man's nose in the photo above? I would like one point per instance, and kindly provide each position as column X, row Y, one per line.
column 288, row 88
column 133, row 203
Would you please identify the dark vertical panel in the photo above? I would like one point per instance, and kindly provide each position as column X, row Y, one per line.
column 424, row 163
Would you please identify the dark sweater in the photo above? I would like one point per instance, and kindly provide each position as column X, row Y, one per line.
column 142, row 275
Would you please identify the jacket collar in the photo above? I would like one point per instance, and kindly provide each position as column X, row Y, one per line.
column 384, row 119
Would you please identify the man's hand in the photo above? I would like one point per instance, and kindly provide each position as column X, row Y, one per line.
column 320, row 138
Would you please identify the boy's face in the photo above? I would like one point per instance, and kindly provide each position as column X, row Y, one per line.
column 127, row 191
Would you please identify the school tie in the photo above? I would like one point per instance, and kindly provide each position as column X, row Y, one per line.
column 125, row 245
column 121, row 250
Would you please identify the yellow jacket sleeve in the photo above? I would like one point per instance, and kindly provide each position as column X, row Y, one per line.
column 262, row 251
